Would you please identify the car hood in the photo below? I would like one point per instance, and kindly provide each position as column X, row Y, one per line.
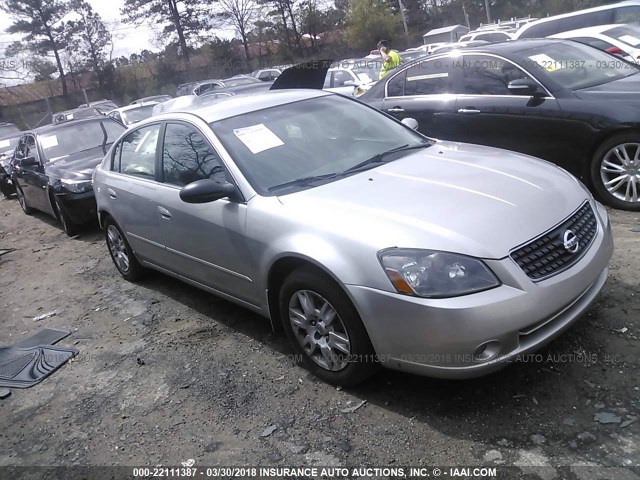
column 78, row 166
column 468, row 199
column 624, row 89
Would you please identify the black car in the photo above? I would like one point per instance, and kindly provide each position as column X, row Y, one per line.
column 53, row 167
column 558, row 100
column 8, row 142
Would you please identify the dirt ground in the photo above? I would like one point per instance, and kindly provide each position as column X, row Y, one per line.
column 168, row 373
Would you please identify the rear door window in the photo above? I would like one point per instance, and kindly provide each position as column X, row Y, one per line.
column 431, row 77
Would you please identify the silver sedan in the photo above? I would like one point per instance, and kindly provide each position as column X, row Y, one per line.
column 368, row 243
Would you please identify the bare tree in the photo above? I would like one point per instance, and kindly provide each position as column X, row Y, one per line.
column 240, row 14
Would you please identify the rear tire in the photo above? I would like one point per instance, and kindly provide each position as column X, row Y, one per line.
column 121, row 253
column 325, row 329
column 23, row 201
column 615, row 171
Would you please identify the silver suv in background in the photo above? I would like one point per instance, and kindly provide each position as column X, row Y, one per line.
column 367, row 242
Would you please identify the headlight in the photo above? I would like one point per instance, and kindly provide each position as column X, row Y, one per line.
column 76, row 186
column 433, row 274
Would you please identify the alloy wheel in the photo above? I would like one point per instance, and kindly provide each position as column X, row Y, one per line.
column 319, row 330
column 620, row 172
column 118, row 249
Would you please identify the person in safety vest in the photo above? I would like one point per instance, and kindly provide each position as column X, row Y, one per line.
column 390, row 58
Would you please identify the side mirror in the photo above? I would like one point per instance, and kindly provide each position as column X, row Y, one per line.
column 28, row 162
column 525, row 86
column 412, row 123
column 205, row 191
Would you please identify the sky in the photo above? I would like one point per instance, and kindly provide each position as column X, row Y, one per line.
column 127, row 38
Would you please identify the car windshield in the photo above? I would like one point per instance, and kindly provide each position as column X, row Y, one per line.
column 283, row 149
column 8, row 145
column 367, row 70
column 137, row 114
column 79, row 137
column 628, row 34
column 575, row 66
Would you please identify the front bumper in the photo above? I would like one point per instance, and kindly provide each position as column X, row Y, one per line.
column 441, row 337
column 79, row 207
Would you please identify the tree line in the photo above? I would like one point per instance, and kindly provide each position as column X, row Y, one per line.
column 68, row 36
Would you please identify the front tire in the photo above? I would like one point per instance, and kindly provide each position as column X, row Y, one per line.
column 615, row 171
column 121, row 253
column 23, row 201
column 70, row 228
column 325, row 328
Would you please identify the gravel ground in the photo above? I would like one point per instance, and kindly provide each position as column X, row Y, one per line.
column 168, row 373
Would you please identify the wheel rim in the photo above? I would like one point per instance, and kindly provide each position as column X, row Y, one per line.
column 118, row 249
column 620, row 172
column 319, row 330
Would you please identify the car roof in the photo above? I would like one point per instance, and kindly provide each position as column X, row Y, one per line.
column 51, row 127
column 513, row 46
column 126, row 108
column 590, row 30
column 599, row 8
column 241, row 104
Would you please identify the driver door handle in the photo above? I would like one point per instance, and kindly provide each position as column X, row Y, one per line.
column 164, row 213
column 112, row 193
column 468, row 110
column 396, row 110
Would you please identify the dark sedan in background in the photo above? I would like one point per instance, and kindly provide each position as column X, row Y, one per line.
column 561, row 101
column 53, row 167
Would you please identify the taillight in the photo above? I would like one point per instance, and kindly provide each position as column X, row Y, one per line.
column 614, row 51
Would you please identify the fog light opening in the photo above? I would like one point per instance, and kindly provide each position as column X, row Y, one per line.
column 487, row 351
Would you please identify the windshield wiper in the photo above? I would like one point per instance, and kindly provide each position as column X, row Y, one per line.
column 379, row 158
column 304, row 181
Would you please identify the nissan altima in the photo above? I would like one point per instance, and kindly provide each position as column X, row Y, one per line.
column 367, row 242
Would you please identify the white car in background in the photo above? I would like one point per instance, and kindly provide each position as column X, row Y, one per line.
column 352, row 76
column 622, row 40
column 487, row 36
column 132, row 114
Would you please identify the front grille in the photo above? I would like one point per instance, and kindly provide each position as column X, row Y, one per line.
column 547, row 255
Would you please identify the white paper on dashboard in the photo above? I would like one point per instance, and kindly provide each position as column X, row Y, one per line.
column 257, row 138
column 546, row 62
column 49, row 142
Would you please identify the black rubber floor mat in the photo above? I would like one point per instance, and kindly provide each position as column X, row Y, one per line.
column 44, row 336
column 26, row 367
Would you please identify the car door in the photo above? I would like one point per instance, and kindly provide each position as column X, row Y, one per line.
column 205, row 242
column 133, row 192
column 489, row 114
column 425, row 91
column 32, row 178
